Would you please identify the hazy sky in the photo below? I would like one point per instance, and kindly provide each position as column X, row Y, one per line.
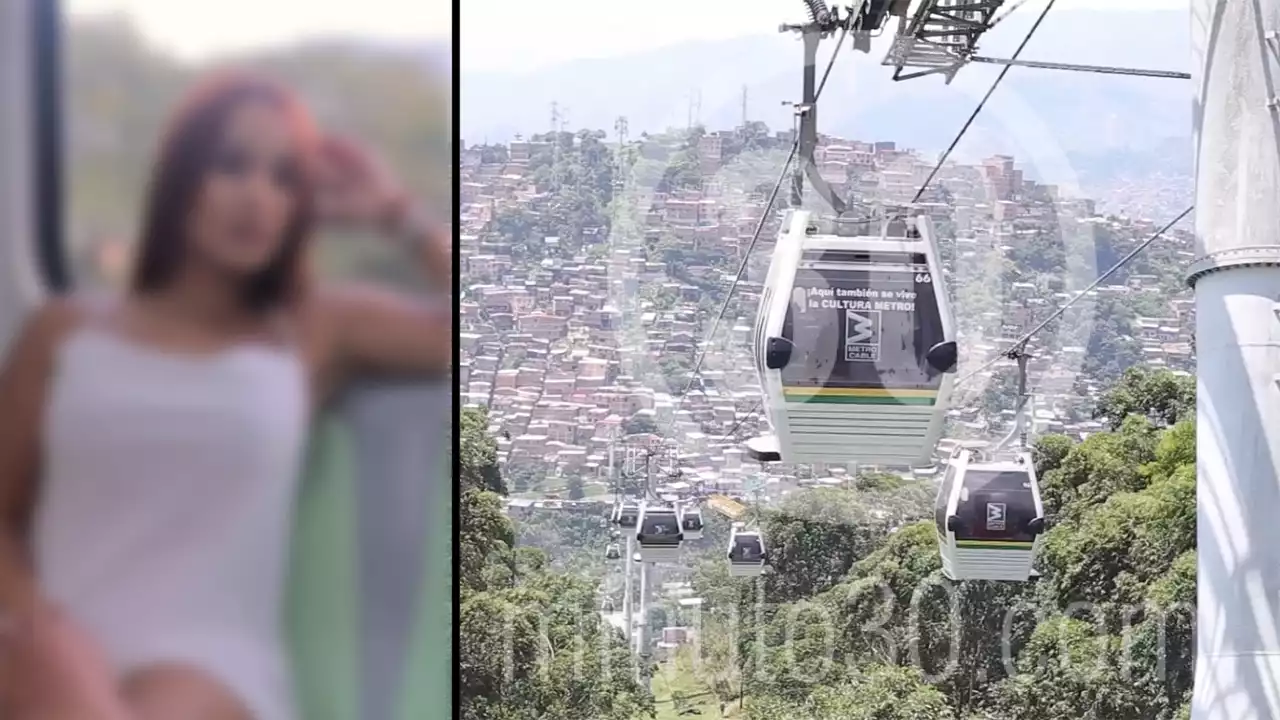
column 197, row 30
column 496, row 34
column 526, row 34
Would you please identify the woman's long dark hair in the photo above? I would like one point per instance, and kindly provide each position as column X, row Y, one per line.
column 186, row 155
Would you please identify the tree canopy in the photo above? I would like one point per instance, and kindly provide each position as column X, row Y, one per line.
column 857, row 619
column 532, row 644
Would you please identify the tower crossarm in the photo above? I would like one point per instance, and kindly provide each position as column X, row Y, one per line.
column 939, row 37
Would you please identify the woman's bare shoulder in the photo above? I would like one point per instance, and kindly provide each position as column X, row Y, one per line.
column 61, row 315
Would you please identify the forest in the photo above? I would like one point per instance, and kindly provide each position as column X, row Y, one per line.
column 855, row 619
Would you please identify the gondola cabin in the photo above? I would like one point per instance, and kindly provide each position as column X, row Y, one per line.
column 627, row 515
column 612, row 552
column 989, row 518
column 747, row 555
column 658, row 533
column 691, row 523
column 854, row 343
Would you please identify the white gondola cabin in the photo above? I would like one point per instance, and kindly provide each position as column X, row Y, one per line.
column 989, row 518
column 691, row 523
column 612, row 552
column 627, row 514
column 854, row 343
column 747, row 554
column 658, row 533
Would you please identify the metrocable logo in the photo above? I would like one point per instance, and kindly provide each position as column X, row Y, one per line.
column 862, row 328
column 995, row 516
column 862, row 335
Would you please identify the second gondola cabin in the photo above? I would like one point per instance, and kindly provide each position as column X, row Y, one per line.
column 855, row 343
column 747, row 554
column 989, row 518
column 691, row 523
column 627, row 514
column 658, row 533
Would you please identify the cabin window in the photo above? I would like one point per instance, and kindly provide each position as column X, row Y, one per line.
column 866, row 325
column 999, row 506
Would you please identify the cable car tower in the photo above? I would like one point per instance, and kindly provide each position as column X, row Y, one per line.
column 1236, row 279
column 941, row 36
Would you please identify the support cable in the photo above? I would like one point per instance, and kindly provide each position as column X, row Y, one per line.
column 755, row 236
column 1020, row 344
column 981, row 104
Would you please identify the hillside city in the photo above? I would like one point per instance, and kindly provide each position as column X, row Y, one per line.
column 605, row 356
column 556, row 344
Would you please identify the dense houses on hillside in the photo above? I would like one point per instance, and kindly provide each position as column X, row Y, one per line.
column 565, row 354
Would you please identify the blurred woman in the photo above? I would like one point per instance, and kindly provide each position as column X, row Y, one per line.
column 150, row 444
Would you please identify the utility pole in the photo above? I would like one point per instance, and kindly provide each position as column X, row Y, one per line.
column 744, row 107
column 643, row 634
column 1236, row 277
column 556, row 122
column 620, row 127
column 616, row 482
column 619, row 161
column 695, row 109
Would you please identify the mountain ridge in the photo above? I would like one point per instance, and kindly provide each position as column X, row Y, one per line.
column 1035, row 112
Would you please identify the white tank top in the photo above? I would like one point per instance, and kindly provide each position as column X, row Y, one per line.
column 166, row 505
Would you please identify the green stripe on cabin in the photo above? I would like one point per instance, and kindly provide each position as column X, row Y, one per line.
column 993, row 545
column 812, row 396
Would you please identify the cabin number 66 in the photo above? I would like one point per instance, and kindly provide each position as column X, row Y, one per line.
column 924, row 278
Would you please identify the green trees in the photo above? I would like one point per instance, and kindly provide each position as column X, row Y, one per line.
column 857, row 621
column 1165, row 396
column 532, row 644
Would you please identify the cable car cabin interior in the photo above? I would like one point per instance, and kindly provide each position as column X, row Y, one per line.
column 989, row 518
column 747, row 554
column 627, row 514
column 855, row 344
column 658, row 533
column 691, row 524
